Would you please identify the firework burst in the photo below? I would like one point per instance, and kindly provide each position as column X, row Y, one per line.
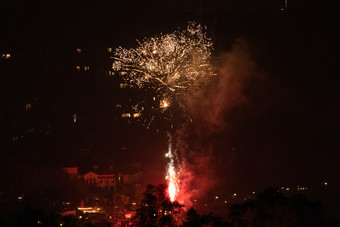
column 170, row 65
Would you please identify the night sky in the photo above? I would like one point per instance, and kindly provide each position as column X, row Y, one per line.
column 272, row 121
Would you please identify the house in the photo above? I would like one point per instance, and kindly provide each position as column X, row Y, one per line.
column 100, row 179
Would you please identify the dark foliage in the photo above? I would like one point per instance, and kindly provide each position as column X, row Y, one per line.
column 272, row 208
column 195, row 220
column 156, row 209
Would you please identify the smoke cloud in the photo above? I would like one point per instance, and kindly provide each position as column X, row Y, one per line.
column 208, row 110
column 235, row 71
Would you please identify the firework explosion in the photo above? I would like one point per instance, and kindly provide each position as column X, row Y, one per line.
column 170, row 65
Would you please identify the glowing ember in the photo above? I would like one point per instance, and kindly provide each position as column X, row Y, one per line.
column 164, row 104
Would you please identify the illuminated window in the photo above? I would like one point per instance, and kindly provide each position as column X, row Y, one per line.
column 126, row 115
column 28, row 106
column 123, row 85
column 78, row 68
column 86, row 68
column 6, row 56
column 109, row 49
column 136, row 115
column 109, row 73
column 78, row 50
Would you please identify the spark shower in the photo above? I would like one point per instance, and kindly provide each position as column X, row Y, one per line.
column 171, row 65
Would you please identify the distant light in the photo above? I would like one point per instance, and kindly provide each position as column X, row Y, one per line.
column 86, row 68
column 20, row 198
column 61, row 224
column 253, row 193
column 78, row 50
column 39, row 222
column 136, row 115
column 6, row 56
column 216, row 197
column 74, row 118
column 326, row 183
column 78, row 68
column 134, row 204
column 28, row 106
column 122, row 85
column 287, row 189
column 235, row 195
column 89, row 210
column 126, row 115
column 225, row 201
column 109, row 50
column 80, row 217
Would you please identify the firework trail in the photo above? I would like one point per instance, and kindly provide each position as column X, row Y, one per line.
column 171, row 65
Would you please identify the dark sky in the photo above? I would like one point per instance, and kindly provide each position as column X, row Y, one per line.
column 284, row 132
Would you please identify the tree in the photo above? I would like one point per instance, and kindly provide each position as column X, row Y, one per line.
column 272, row 208
column 193, row 219
column 156, row 209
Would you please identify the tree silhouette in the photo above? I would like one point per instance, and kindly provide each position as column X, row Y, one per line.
column 156, row 209
column 272, row 208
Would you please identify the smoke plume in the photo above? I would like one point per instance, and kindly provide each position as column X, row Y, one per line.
column 208, row 110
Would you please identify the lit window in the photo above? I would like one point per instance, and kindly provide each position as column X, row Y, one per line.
column 78, row 50
column 6, row 56
column 28, row 106
column 136, row 115
column 86, row 68
column 126, row 115
column 122, row 85
column 109, row 49
column 78, row 68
